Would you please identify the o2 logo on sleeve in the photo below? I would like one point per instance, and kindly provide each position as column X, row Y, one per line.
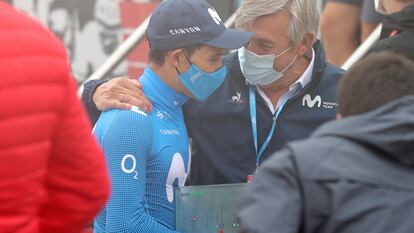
column 129, row 165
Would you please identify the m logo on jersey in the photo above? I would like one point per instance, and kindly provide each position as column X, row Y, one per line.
column 308, row 101
column 178, row 172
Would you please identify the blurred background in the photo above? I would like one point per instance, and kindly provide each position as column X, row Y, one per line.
column 92, row 29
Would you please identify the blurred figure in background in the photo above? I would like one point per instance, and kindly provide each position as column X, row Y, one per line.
column 344, row 25
column 52, row 173
column 397, row 33
column 99, row 37
column 352, row 175
column 370, row 19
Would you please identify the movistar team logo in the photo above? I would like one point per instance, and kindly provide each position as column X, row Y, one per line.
column 308, row 101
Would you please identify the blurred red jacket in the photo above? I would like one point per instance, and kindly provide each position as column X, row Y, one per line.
column 53, row 176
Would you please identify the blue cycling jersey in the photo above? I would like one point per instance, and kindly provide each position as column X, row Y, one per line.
column 147, row 156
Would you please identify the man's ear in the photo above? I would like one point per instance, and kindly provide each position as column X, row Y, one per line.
column 174, row 57
column 306, row 44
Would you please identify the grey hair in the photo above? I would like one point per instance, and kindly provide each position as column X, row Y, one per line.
column 304, row 15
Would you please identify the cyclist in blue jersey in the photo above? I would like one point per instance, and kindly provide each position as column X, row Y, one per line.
column 148, row 154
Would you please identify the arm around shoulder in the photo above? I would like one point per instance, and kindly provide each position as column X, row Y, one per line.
column 87, row 94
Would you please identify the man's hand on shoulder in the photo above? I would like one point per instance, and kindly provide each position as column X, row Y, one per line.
column 121, row 93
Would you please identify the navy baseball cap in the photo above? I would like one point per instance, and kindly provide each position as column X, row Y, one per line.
column 181, row 23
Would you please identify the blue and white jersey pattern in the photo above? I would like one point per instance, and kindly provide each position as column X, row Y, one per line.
column 147, row 156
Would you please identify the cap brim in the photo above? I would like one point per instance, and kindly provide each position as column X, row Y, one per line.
column 230, row 39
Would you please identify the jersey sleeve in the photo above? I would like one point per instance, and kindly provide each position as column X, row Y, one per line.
column 88, row 91
column 127, row 146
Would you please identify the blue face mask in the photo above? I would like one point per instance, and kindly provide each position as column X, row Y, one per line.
column 258, row 69
column 201, row 84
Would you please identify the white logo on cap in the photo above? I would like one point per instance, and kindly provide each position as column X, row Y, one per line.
column 214, row 15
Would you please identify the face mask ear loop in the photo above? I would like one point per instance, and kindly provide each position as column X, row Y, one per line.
column 176, row 69
column 188, row 59
column 288, row 66
column 280, row 54
column 185, row 54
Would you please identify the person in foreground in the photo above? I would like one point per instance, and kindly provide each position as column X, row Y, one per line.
column 352, row 175
column 53, row 177
column 148, row 154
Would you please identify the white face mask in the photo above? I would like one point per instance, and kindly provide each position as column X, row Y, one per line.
column 258, row 69
column 379, row 7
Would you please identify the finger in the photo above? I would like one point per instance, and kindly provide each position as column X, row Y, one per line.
column 132, row 85
column 141, row 102
column 146, row 105
column 149, row 109
column 137, row 99
column 135, row 94
column 131, row 100
column 136, row 83
column 117, row 85
column 138, row 92
column 117, row 105
column 124, row 77
column 119, row 95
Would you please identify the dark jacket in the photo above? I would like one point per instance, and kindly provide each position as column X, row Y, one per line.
column 220, row 127
column 353, row 175
column 223, row 146
column 397, row 33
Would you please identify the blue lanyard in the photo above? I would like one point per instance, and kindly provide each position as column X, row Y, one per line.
column 252, row 100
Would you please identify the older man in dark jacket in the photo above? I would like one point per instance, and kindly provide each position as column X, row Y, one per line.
column 353, row 175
